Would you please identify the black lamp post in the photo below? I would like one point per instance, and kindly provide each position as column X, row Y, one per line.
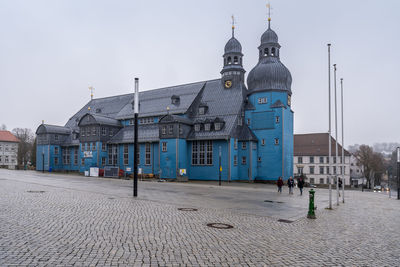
column 135, row 142
column 398, row 172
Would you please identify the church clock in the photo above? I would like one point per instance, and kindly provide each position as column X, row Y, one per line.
column 228, row 84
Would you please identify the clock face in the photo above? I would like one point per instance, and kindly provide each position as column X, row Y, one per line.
column 289, row 100
column 228, row 84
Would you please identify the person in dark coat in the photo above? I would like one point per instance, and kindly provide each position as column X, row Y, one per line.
column 279, row 183
column 290, row 184
column 300, row 184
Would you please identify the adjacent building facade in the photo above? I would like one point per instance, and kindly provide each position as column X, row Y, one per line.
column 193, row 130
column 8, row 150
column 311, row 157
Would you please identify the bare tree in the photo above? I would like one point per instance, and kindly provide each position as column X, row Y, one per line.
column 26, row 137
column 373, row 163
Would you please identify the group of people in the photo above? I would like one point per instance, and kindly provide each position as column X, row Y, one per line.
column 290, row 184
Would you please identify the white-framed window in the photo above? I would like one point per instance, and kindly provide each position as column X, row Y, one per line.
column 148, row 153
column 217, row 126
column 244, row 160
column 93, row 130
column 202, row 152
column 126, row 154
column 103, row 131
column 56, row 150
column 299, row 159
column 276, row 141
column 235, row 143
column 164, row 130
column 103, row 161
column 235, row 160
column 277, row 119
column 321, row 170
column 321, row 159
column 207, row 127
column 111, row 132
column 164, row 146
column 103, row 147
column 311, row 169
column 263, row 142
column 262, row 100
column 202, row 110
column 170, row 129
column 76, row 156
column 131, row 122
column 311, row 159
column 321, row 180
column 197, row 127
column 56, row 137
column 244, row 145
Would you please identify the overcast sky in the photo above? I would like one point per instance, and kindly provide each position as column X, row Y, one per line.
column 51, row 51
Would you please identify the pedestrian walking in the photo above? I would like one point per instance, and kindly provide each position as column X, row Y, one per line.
column 279, row 183
column 300, row 184
column 290, row 184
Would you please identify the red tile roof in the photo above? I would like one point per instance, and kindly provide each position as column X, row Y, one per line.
column 7, row 136
column 315, row 145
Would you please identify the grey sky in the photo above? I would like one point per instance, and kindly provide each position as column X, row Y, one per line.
column 51, row 51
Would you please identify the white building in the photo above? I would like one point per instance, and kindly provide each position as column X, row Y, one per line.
column 311, row 158
column 357, row 177
column 8, row 150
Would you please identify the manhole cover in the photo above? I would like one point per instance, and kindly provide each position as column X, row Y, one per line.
column 187, row 209
column 271, row 201
column 220, row 225
column 36, row 192
column 285, row 221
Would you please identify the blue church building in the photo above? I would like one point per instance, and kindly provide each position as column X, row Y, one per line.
column 185, row 130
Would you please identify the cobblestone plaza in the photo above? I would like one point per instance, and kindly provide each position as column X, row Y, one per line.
column 66, row 220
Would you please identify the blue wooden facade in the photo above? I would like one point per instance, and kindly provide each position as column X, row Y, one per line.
column 192, row 130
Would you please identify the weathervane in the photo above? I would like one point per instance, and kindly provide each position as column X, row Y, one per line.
column 269, row 13
column 233, row 25
column 91, row 88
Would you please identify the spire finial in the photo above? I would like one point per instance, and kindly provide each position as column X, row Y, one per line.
column 233, row 26
column 269, row 14
column 91, row 88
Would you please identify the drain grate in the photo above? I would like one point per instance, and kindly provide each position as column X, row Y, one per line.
column 35, row 192
column 187, row 209
column 220, row 225
column 285, row 221
column 271, row 201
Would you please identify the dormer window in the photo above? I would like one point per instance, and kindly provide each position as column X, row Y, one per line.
column 218, row 126
column 56, row 137
column 207, row 127
column 201, row 110
column 197, row 127
column 170, row 129
column 164, row 130
column 175, row 100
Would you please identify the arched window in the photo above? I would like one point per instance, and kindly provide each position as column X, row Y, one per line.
column 235, row 60
column 273, row 51
column 266, row 52
column 229, row 60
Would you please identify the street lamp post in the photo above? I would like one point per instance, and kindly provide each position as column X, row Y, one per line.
column 135, row 142
column 398, row 172
column 219, row 166
column 329, row 131
column 42, row 162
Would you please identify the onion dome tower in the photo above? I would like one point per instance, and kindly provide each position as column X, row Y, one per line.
column 232, row 72
column 269, row 74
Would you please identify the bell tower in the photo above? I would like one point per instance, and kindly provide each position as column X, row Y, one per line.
column 232, row 72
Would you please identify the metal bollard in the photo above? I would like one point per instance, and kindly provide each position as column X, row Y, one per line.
column 311, row 212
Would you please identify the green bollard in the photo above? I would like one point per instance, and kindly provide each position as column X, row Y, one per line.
column 311, row 213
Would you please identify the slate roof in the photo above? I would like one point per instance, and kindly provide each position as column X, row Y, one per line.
column 7, row 136
column 47, row 128
column 175, row 118
column 155, row 102
column 316, row 144
column 102, row 120
column 225, row 104
column 147, row 133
